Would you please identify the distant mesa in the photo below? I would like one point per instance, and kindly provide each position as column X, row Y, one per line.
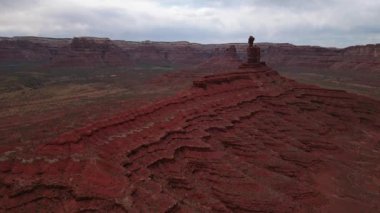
column 89, row 43
column 253, row 55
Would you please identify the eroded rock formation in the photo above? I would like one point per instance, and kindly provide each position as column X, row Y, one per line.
column 242, row 141
column 91, row 52
column 221, row 60
column 231, row 51
column 253, row 54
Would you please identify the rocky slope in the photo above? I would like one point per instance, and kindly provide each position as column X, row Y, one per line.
column 243, row 141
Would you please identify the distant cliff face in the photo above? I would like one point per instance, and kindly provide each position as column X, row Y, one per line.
column 89, row 51
column 23, row 50
column 62, row 52
column 351, row 58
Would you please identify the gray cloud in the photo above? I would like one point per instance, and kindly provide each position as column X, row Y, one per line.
column 315, row 22
column 9, row 4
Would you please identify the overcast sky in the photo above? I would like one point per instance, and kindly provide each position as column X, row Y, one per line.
column 338, row 23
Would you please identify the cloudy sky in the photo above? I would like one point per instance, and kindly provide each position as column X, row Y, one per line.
column 338, row 23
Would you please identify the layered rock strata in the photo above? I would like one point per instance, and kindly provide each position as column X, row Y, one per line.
column 243, row 141
column 70, row 52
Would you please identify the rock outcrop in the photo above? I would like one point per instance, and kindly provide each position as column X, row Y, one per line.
column 243, row 141
column 253, row 55
column 253, row 52
column 221, row 60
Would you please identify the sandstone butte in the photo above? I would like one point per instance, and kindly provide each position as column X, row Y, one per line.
column 242, row 140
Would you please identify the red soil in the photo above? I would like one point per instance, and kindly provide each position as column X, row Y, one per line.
column 244, row 141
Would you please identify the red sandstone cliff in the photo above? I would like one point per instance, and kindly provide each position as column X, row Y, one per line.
column 361, row 58
column 21, row 49
column 244, row 141
column 62, row 52
column 90, row 52
column 104, row 52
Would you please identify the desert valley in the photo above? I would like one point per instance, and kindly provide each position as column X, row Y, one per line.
column 93, row 124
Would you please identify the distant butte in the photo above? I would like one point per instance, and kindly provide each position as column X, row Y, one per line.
column 246, row 140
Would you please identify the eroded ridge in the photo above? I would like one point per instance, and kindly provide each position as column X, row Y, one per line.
column 236, row 142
